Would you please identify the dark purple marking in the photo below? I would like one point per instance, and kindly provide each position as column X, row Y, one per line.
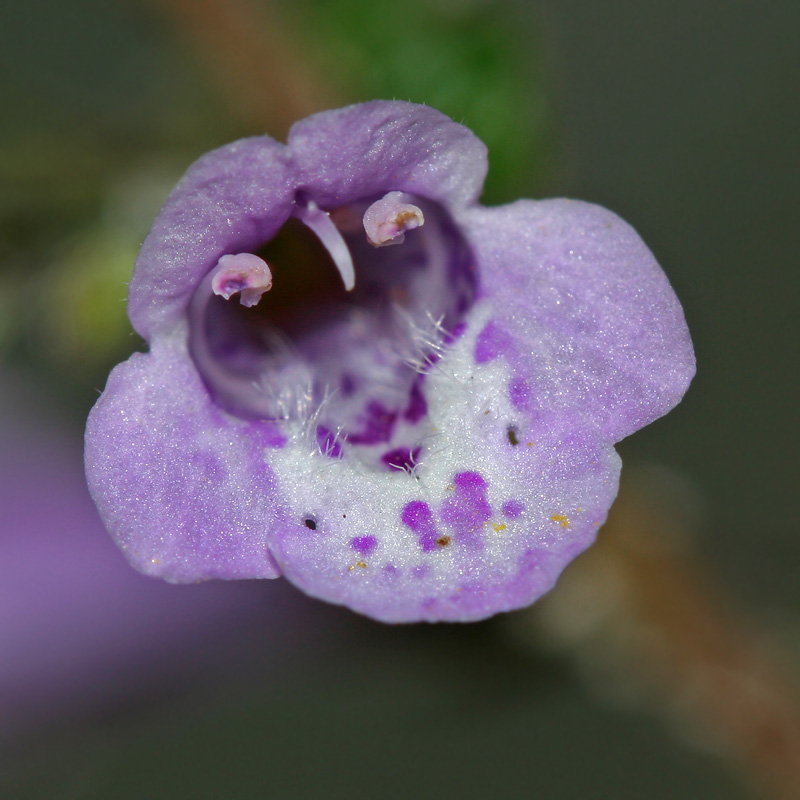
column 267, row 434
column 364, row 545
column 467, row 510
column 520, row 393
column 347, row 384
column 379, row 426
column 513, row 509
column 328, row 443
column 470, row 481
column 418, row 516
column 458, row 330
column 402, row 458
column 492, row 342
column 391, row 571
column 417, row 405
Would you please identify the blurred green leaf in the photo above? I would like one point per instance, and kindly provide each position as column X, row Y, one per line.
column 476, row 61
column 83, row 319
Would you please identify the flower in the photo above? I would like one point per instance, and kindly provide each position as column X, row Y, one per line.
column 362, row 380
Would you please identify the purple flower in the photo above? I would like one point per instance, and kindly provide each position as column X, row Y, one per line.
column 361, row 379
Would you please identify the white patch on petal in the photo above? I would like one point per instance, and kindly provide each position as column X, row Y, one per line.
column 466, row 430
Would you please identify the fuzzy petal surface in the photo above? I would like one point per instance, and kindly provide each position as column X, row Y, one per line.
column 182, row 487
column 382, row 146
column 584, row 316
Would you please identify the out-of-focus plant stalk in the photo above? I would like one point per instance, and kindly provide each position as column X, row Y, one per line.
column 644, row 620
column 258, row 63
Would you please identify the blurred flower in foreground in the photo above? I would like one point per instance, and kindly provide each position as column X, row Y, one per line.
column 77, row 626
column 361, row 379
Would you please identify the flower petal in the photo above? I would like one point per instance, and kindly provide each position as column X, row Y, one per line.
column 230, row 201
column 183, row 488
column 583, row 313
column 485, row 522
column 368, row 149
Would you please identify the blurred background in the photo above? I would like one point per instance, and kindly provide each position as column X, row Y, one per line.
column 666, row 664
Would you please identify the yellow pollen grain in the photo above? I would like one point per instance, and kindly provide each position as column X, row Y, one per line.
column 404, row 216
column 499, row 526
column 362, row 564
column 560, row 519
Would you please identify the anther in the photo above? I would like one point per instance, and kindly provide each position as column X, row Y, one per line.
column 245, row 274
column 387, row 220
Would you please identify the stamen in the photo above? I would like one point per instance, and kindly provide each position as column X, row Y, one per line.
column 320, row 222
column 244, row 273
column 387, row 219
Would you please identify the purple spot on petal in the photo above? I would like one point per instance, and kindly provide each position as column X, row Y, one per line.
column 513, row 509
column 379, row 425
column 417, row 515
column 468, row 509
column 403, row 458
column 364, row 545
column 417, row 405
column 458, row 331
column 470, row 481
column 328, row 443
column 347, row 384
column 492, row 342
column 391, row 571
column 520, row 393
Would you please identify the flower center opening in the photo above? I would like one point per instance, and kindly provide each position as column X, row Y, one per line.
column 289, row 342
